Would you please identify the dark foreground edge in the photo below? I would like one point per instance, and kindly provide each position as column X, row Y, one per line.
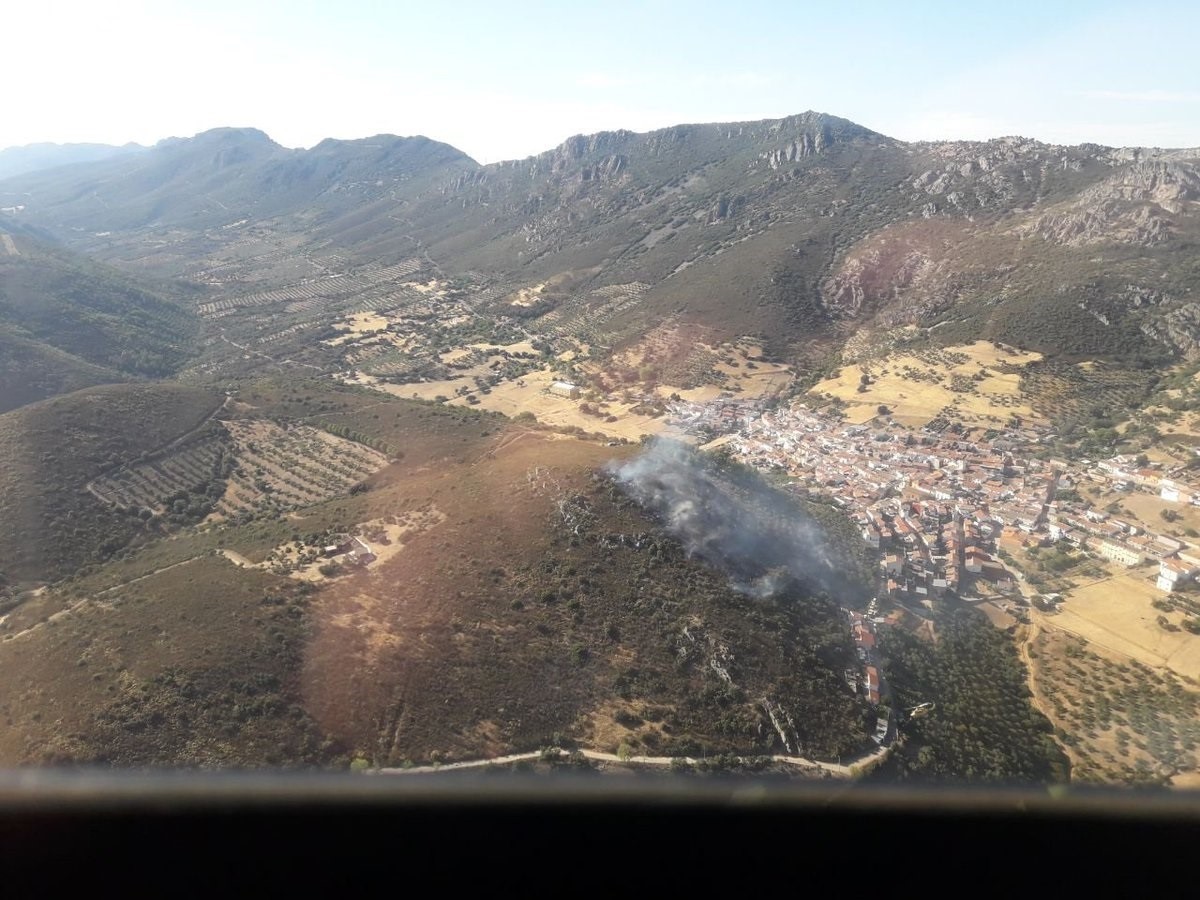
column 559, row 835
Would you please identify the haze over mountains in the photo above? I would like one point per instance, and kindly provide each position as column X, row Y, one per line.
column 34, row 157
column 221, row 360
column 803, row 226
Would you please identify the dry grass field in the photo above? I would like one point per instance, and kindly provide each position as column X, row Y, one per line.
column 1116, row 613
column 1148, row 508
column 616, row 393
column 977, row 382
column 385, row 537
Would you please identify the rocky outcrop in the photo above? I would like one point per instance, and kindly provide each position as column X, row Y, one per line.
column 1104, row 222
column 1167, row 184
column 899, row 275
column 1178, row 329
column 808, row 144
column 1132, row 206
column 963, row 176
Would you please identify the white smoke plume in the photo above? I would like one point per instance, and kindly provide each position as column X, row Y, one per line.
column 731, row 519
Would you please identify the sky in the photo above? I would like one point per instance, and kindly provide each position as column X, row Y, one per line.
column 507, row 80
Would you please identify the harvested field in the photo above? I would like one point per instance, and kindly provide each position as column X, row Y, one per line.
column 626, row 388
column 1116, row 613
column 1148, row 509
column 531, row 394
column 978, row 382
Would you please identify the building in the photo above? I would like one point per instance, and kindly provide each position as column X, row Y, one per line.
column 870, row 536
column 565, row 389
column 871, row 684
column 1119, row 552
column 1172, row 573
column 360, row 553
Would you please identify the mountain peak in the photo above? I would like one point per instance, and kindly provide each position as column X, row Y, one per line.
column 226, row 136
column 385, row 145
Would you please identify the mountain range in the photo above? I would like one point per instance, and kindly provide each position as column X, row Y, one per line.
column 34, row 157
column 799, row 229
column 223, row 361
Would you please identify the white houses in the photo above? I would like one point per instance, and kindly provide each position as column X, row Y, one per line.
column 1172, row 572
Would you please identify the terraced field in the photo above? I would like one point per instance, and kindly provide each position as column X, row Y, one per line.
column 1069, row 394
column 284, row 468
column 246, row 467
column 150, row 485
column 587, row 322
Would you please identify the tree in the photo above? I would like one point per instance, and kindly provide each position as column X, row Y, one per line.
column 883, row 410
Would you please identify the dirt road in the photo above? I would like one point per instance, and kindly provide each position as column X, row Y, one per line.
column 840, row 770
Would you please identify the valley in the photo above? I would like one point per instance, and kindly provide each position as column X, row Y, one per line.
column 371, row 456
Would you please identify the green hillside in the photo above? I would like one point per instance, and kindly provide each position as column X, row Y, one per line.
column 547, row 630
column 32, row 371
column 51, row 524
column 91, row 311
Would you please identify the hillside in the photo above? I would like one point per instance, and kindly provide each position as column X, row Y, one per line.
column 32, row 371
column 391, row 498
column 51, row 524
column 574, row 617
column 800, row 230
column 69, row 322
column 224, row 175
column 34, row 157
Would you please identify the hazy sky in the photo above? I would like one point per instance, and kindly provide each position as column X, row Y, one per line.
column 501, row 80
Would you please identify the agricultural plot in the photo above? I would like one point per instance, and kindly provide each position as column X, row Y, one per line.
column 279, row 468
column 586, row 319
column 1069, row 394
column 1116, row 613
column 311, row 292
column 980, row 383
column 1119, row 720
column 154, row 484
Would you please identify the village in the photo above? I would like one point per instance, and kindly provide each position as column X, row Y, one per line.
column 989, row 516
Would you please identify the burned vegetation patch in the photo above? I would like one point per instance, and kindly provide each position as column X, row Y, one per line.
column 588, row 625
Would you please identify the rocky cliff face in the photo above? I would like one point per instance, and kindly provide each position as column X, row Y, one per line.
column 1134, row 205
column 1179, row 330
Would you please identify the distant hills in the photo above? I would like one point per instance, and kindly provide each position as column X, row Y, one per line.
column 67, row 322
column 802, row 229
column 33, row 157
